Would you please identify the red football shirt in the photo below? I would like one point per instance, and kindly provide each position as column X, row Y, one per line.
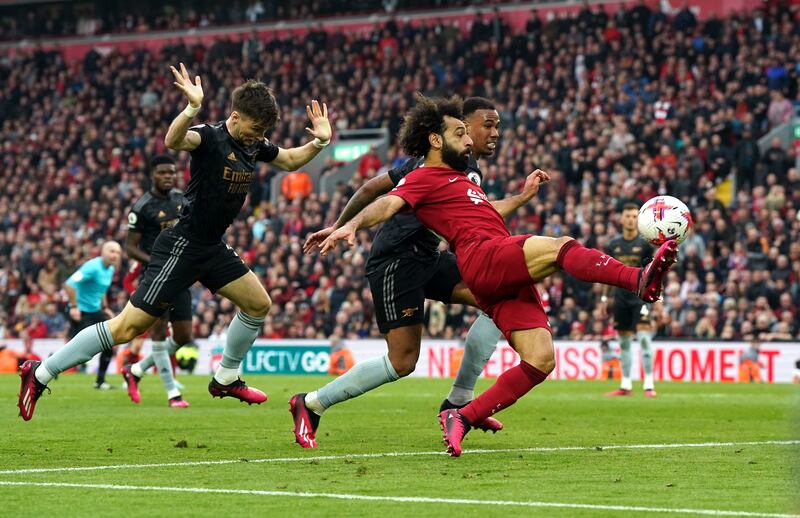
column 491, row 261
column 447, row 202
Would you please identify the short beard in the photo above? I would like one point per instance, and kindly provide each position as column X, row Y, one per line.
column 452, row 158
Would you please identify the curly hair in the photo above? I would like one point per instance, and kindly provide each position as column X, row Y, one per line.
column 427, row 117
column 256, row 100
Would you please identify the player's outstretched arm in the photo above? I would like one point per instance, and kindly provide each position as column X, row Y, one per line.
column 178, row 135
column 507, row 206
column 296, row 157
column 365, row 195
column 377, row 212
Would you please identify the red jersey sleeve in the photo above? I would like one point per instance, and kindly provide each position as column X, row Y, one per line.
column 414, row 187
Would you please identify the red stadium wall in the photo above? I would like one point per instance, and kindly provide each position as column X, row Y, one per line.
column 516, row 17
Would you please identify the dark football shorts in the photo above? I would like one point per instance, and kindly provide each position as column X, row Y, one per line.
column 175, row 264
column 401, row 285
column 181, row 308
column 87, row 319
column 628, row 315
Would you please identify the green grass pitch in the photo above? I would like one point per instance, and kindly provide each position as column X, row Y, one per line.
column 552, row 459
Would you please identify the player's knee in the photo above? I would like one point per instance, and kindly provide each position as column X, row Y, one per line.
column 547, row 363
column 259, row 307
column 544, row 362
column 123, row 330
column 542, row 355
column 558, row 243
column 403, row 361
column 404, row 366
column 264, row 306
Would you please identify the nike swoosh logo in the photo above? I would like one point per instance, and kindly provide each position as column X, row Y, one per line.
column 453, row 179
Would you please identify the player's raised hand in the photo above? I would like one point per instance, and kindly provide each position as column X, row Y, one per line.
column 316, row 238
column 533, row 182
column 346, row 233
column 192, row 91
column 320, row 125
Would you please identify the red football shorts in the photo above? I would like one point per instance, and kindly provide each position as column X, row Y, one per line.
column 498, row 277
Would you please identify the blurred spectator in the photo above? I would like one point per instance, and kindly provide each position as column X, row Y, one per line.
column 296, row 185
column 37, row 328
column 776, row 160
column 9, row 360
column 341, row 358
column 55, row 321
column 611, row 368
column 370, row 163
column 780, row 109
column 749, row 369
column 27, row 353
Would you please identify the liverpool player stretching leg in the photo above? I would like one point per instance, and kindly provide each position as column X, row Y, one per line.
column 405, row 267
column 223, row 158
column 499, row 269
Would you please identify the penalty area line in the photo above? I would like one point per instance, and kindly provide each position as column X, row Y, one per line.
column 400, row 499
column 397, row 454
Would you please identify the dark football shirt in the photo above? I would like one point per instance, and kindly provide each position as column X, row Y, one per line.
column 222, row 169
column 635, row 252
column 403, row 235
column 152, row 214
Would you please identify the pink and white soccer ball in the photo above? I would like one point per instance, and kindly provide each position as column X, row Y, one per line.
column 664, row 217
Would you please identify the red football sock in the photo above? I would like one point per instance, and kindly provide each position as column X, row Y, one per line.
column 592, row 265
column 509, row 387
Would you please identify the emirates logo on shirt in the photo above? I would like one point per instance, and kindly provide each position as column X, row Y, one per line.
column 475, row 196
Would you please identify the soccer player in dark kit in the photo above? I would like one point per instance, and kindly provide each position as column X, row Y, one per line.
column 630, row 313
column 499, row 269
column 157, row 210
column 223, row 158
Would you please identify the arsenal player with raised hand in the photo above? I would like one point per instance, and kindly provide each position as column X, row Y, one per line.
column 223, row 160
column 499, row 269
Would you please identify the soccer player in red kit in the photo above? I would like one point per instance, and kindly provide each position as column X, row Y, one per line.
column 499, row 269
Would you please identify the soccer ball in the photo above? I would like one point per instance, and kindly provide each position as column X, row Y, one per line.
column 664, row 217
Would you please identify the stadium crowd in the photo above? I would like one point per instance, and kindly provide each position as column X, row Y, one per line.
column 62, row 19
column 617, row 108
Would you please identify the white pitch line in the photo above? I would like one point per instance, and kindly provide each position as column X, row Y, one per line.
column 399, row 454
column 403, row 499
